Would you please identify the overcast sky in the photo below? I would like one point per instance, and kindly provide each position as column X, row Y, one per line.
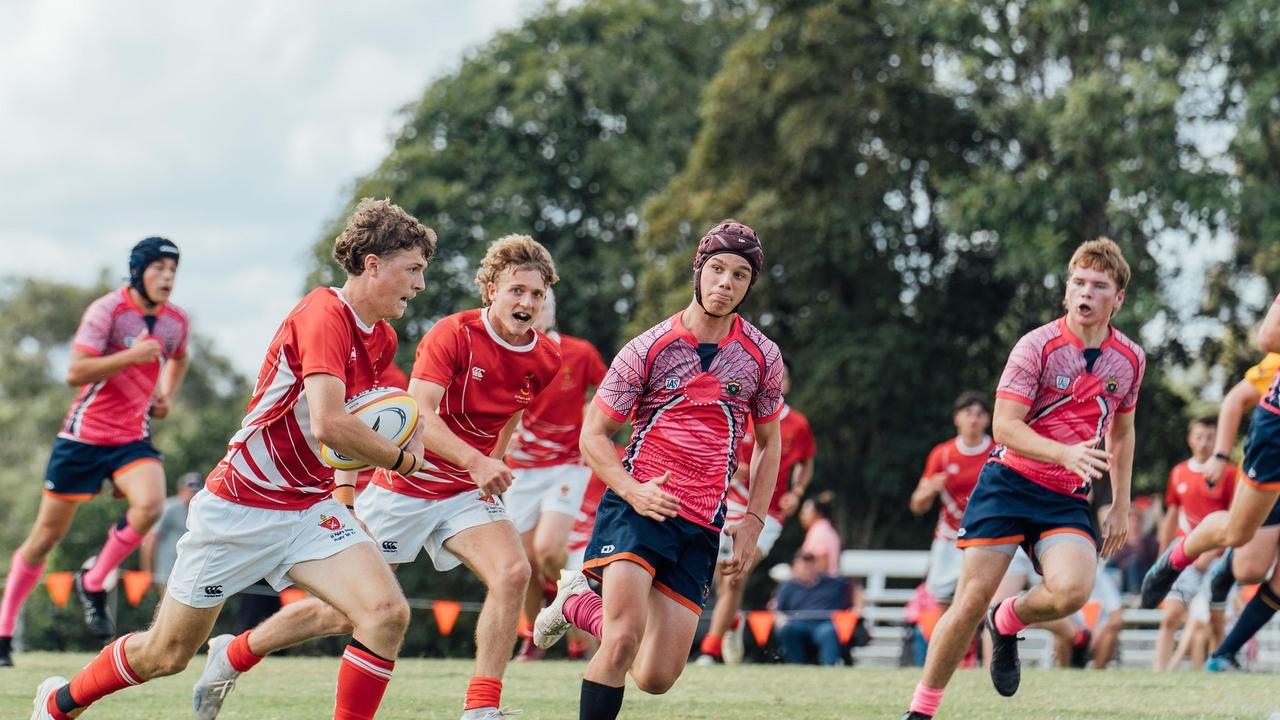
column 235, row 129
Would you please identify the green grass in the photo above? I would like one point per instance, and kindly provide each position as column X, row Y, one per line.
column 287, row 687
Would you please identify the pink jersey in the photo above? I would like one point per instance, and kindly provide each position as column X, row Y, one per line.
column 963, row 465
column 273, row 461
column 548, row 431
column 798, row 446
column 1069, row 401
column 117, row 410
column 689, row 421
column 1271, row 399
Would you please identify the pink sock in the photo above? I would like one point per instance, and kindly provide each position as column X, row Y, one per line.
column 1178, row 558
column 926, row 700
column 586, row 610
column 22, row 579
column 1007, row 621
column 120, row 542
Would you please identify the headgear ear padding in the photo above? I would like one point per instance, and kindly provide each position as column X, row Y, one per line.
column 728, row 237
column 147, row 251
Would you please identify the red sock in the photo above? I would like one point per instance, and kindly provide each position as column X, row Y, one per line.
column 239, row 654
column 1080, row 639
column 362, row 680
column 926, row 700
column 104, row 675
column 1178, row 558
column 483, row 692
column 711, row 645
column 1007, row 621
column 120, row 542
column 586, row 610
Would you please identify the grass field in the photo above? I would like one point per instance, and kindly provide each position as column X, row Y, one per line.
column 288, row 688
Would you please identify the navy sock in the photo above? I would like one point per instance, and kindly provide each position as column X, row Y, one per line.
column 599, row 702
column 1255, row 614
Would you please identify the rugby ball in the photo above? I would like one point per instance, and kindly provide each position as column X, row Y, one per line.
column 390, row 412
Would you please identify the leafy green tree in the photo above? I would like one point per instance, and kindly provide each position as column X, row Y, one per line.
column 559, row 129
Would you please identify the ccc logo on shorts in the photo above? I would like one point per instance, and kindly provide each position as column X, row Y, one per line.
column 213, row 591
column 388, row 546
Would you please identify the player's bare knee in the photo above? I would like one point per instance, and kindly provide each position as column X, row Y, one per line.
column 1237, row 535
column 551, row 560
column 146, row 514
column 514, row 576
column 389, row 614
column 655, row 683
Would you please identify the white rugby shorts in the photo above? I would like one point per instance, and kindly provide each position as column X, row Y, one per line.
column 229, row 546
column 558, row 488
column 403, row 526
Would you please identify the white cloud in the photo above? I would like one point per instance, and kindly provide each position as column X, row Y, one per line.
column 233, row 132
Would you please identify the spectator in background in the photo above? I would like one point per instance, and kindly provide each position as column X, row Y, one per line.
column 1140, row 549
column 813, row 595
column 160, row 546
column 820, row 537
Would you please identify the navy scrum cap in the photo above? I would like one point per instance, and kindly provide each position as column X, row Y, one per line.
column 147, row 251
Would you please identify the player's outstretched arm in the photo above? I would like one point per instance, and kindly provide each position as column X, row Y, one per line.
column 765, row 458
column 333, row 426
column 1239, row 400
column 1269, row 333
column 86, row 368
column 1121, row 439
column 596, row 445
column 1009, row 428
column 490, row 474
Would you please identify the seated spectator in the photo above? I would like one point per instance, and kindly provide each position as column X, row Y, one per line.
column 806, row 602
column 820, row 537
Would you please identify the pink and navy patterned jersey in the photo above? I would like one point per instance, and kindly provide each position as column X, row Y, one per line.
column 1071, row 399
column 1271, row 399
column 689, row 421
column 117, row 410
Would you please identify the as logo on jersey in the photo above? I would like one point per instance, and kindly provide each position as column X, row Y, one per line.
column 1062, row 382
column 671, row 383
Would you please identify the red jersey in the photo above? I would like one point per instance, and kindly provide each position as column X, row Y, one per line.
column 117, row 409
column 486, row 380
column 1071, row 398
column 798, row 446
column 962, row 465
column 548, row 431
column 1194, row 497
column 687, row 420
column 273, row 461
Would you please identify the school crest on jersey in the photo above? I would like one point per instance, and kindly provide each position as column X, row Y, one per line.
column 1112, row 384
column 526, row 390
column 733, row 387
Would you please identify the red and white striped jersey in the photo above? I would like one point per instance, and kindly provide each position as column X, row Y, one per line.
column 273, row 461
column 798, row 446
column 117, row 409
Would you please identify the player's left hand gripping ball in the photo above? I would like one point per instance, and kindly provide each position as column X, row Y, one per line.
column 390, row 412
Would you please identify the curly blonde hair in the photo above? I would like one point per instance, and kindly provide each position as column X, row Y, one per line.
column 1102, row 255
column 514, row 252
column 380, row 227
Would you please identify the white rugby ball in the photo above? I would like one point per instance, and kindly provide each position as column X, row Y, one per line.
column 390, row 412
